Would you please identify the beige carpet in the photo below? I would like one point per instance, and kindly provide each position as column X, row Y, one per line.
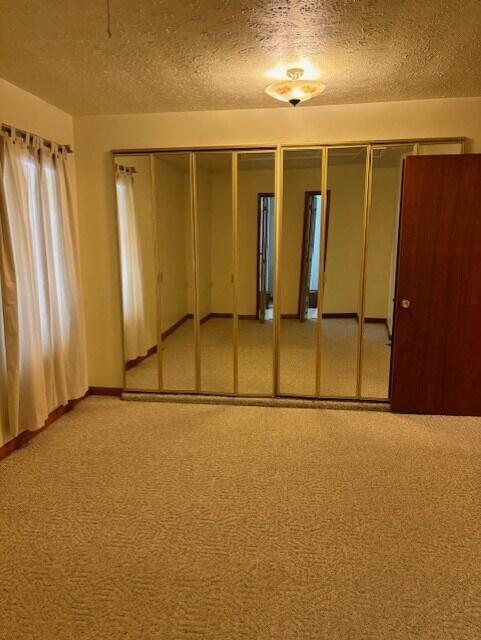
column 171, row 522
column 297, row 359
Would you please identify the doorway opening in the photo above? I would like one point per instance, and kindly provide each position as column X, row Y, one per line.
column 310, row 271
column 265, row 257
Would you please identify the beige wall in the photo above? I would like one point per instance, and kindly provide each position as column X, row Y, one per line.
column 221, row 293
column 96, row 136
column 25, row 111
column 381, row 238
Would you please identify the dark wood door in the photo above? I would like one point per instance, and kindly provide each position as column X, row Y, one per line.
column 436, row 364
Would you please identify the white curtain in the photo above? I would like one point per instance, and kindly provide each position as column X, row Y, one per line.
column 131, row 268
column 39, row 266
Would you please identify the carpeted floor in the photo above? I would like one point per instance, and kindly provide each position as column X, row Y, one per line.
column 152, row 521
column 297, row 358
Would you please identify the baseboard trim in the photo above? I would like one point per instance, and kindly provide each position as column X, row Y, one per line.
column 241, row 316
column 176, row 325
column 24, row 437
column 105, row 391
column 135, row 361
column 340, row 316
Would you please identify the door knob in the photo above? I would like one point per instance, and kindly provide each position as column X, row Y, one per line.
column 405, row 304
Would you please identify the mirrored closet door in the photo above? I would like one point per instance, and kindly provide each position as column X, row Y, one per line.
column 301, row 270
column 255, row 238
column 138, row 261
column 214, row 226
column 177, row 291
column 344, row 251
column 262, row 272
column 380, row 276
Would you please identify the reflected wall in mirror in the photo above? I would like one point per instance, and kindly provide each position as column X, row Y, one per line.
column 136, row 232
column 176, row 263
column 255, row 285
column 439, row 148
column 215, row 259
column 381, row 268
column 300, row 268
column 342, row 282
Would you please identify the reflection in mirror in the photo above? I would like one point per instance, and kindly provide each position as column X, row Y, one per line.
column 381, row 268
column 344, row 249
column 299, row 271
column 173, row 207
column 214, row 234
column 136, row 230
column 255, row 232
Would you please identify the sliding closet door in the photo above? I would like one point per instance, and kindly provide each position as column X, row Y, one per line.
column 342, row 305
column 381, row 255
column 300, row 270
column 437, row 338
column 175, row 214
column 215, row 263
column 255, row 271
column 138, row 265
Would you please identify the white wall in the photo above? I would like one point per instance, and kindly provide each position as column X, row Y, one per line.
column 25, row 111
column 96, row 136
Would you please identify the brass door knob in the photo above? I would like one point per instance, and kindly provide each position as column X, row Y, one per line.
column 405, row 304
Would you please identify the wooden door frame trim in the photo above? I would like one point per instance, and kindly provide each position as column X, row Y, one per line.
column 307, row 196
column 262, row 194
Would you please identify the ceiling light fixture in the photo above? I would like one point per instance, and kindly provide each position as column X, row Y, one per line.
column 295, row 90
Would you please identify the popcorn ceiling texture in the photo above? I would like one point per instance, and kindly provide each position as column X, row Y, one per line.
column 171, row 55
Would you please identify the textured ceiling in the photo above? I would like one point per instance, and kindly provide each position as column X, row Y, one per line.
column 178, row 55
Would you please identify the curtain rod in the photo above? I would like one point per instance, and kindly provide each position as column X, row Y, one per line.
column 21, row 133
column 122, row 167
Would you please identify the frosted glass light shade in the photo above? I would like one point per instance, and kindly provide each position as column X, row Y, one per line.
column 295, row 89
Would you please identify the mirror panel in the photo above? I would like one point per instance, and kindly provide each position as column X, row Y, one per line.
column 381, row 268
column 256, row 254
column 138, row 266
column 342, row 280
column 439, row 148
column 215, row 258
column 177, row 300
column 300, row 256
